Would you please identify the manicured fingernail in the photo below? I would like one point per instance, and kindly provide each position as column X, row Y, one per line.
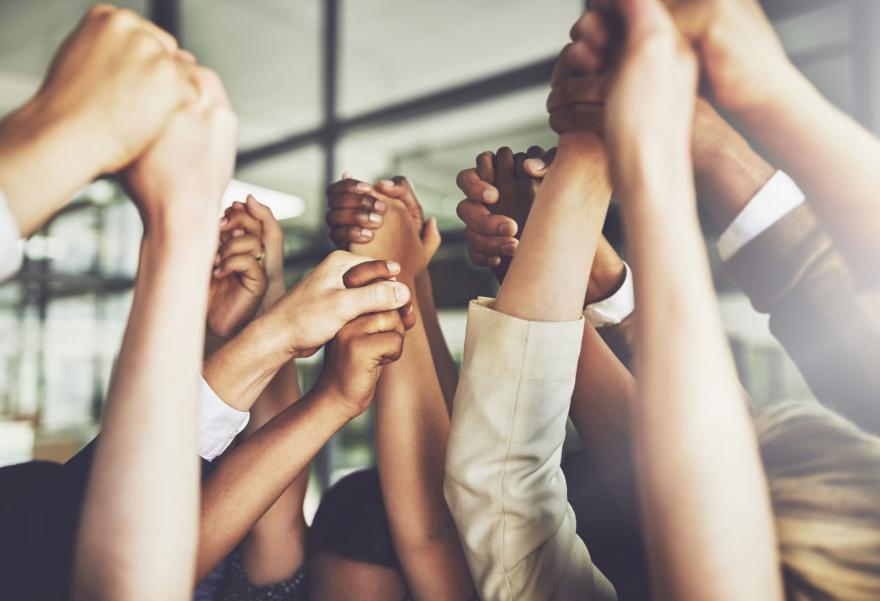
column 393, row 266
column 380, row 205
column 508, row 249
column 494, row 261
column 408, row 310
column 366, row 233
column 375, row 218
column 401, row 292
column 507, row 229
column 363, row 187
column 490, row 195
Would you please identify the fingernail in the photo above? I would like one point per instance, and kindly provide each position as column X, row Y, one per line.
column 380, row 205
column 508, row 249
column 366, row 233
column 490, row 195
column 494, row 261
column 216, row 273
column 401, row 292
column 237, row 232
column 363, row 187
column 409, row 310
column 385, row 182
column 216, row 259
column 536, row 164
column 393, row 266
column 375, row 218
column 507, row 229
column 223, row 221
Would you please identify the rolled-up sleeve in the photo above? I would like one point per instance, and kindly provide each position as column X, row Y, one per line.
column 504, row 484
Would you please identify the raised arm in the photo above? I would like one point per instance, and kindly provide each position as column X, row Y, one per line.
column 691, row 426
column 145, row 463
column 833, row 159
column 252, row 476
column 79, row 125
column 504, row 484
column 412, row 420
column 356, row 211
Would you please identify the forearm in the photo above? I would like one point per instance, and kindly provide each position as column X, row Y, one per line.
column 548, row 276
column 241, row 369
column 33, row 144
column 252, row 476
column 832, row 158
column 412, row 428
column 603, row 391
column 145, row 463
column 728, row 172
column 691, row 426
column 444, row 364
column 275, row 546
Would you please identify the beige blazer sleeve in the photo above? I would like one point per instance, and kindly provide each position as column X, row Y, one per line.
column 504, row 485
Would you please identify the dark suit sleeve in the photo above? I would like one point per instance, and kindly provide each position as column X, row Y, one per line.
column 825, row 322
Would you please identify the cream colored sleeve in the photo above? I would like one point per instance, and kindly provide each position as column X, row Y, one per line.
column 504, row 484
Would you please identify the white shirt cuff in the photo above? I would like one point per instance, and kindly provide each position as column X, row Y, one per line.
column 10, row 242
column 615, row 308
column 219, row 423
column 776, row 199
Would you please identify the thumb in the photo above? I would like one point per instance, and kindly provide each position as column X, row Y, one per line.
column 538, row 167
column 373, row 298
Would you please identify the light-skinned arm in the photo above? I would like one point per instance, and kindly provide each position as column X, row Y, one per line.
column 691, row 426
column 145, row 463
column 78, row 125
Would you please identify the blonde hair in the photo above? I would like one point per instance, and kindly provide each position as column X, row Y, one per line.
column 824, row 478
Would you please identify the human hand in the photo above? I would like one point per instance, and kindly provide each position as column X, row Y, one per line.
column 248, row 264
column 353, row 360
column 317, row 308
column 406, row 237
column 654, row 63
column 113, row 66
column 178, row 183
column 491, row 234
column 741, row 75
column 255, row 218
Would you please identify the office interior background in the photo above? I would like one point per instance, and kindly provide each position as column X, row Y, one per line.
column 373, row 87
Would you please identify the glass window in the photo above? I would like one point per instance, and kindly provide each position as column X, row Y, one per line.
column 393, row 51
column 268, row 54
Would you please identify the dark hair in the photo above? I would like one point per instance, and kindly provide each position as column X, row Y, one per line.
column 351, row 522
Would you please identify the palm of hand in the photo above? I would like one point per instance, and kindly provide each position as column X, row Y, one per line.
column 231, row 304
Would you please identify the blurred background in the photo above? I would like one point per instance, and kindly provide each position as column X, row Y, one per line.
column 374, row 87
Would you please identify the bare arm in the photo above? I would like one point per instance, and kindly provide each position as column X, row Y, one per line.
column 539, row 285
column 691, row 426
column 78, row 125
column 444, row 364
column 145, row 464
column 251, row 477
column 412, row 422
